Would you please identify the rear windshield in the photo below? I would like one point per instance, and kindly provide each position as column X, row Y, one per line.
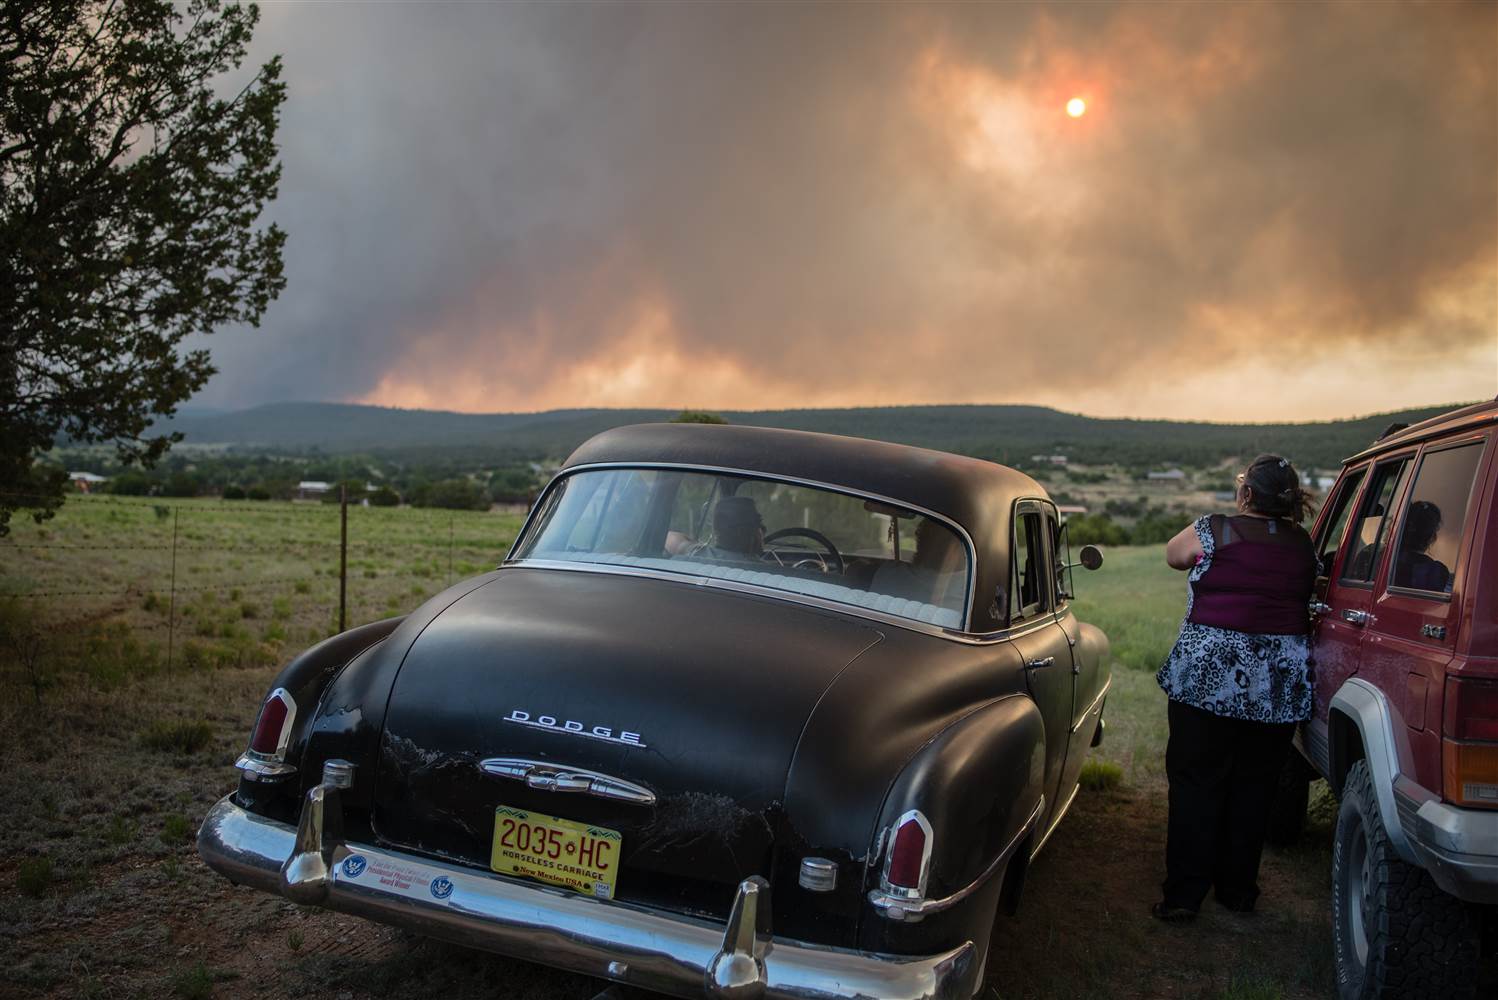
column 783, row 536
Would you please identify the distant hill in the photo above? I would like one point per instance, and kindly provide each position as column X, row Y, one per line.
column 1008, row 434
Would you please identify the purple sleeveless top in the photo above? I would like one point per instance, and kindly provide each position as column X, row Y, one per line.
column 1257, row 586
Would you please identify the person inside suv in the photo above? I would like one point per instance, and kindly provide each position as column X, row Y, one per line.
column 1415, row 568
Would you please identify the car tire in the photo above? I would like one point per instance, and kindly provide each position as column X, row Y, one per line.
column 1292, row 797
column 1395, row 934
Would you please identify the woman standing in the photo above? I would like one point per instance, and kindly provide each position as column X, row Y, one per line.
column 1238, row 680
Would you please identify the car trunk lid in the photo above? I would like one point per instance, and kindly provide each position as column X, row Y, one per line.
column 695, row 693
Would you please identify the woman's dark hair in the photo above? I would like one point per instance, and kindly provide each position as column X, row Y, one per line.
column 1422, row 522
column 1274, row 489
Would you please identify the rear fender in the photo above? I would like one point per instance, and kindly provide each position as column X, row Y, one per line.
column 306, row 678
column 978, row 783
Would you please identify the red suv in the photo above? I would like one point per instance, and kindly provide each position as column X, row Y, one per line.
column 1406, row 721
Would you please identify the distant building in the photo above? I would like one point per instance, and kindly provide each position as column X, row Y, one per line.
column 1048, row 459
column 1068, row 509
column 1170, row 476
column 1325, row 483
column 87, row 482
column 312, row 489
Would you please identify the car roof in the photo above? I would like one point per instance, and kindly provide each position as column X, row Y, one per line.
column 962, row 489
column 1475, row 415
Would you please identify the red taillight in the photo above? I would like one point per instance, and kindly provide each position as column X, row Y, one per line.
column 275, row 719
column 1471, row 709
column 908, row 853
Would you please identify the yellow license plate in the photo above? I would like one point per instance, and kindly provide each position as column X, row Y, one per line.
column 579, row 856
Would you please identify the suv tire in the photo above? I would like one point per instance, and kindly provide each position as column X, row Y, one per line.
column 1292, row 797
column 1395, row 934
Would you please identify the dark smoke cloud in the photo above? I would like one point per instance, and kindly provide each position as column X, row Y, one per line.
column 518, row 207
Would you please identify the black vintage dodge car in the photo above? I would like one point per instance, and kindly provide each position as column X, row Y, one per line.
column 720, row 666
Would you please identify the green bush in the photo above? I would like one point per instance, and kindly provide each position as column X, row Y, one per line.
column 194, row 983
column 697, row 417
column 131, row 484
column 175, row 829
column 257, row 493
column 1095, row 529
column 178, row 735
column 34, row 877
column 234, row 493
column 384, row 497
column 1100, row 776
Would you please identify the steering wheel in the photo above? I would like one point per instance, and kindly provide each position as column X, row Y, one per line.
column 816, row 536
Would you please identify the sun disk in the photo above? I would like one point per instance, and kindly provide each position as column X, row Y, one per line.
column 1076, row 107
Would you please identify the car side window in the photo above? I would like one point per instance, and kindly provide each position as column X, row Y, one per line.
column 1030, row 581
column 1336, row 526
column 1060, row 556
column 1369, row 534
column 1430, row 532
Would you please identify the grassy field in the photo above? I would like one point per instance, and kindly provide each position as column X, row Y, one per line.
column 107, row 768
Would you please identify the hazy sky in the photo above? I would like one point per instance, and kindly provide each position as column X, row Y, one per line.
column 1266, row 211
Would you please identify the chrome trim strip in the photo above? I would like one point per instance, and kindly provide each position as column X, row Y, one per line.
column 790, row 597
column 1057, row 821
column 898, row 908
column 972, row 549
column 636, row 945
column 255, row 769
column 1107, row 685
column 549, row 777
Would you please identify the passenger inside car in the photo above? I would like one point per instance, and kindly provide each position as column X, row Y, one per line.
column 738, row 532
column 1415, row 568
column 931, row 572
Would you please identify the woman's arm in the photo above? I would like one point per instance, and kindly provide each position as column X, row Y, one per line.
column 1185, row 549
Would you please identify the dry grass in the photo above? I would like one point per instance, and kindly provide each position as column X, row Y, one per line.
column 102, row 780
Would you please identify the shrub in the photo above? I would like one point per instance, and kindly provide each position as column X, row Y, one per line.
column 131, row 484
column 257, row 493
column 1095, row 529
column 178, row 735
column 181, row 484
column 384, row 497
column 697, row 417
column 451, row 494
column 1100, row 776
column 234, row 493
column 154, row 602
column 175, row 829
column 249, row 609
column 34, row 877
column 120, row 830
column 194, row 983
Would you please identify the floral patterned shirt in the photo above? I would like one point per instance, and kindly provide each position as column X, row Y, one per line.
column 1242, row 675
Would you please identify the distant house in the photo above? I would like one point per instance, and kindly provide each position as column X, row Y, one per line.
column 1048, row 459
column 1068, row 509
column 87, row 482
column 1170, row 477
column 312, row 489
column 1325, row 483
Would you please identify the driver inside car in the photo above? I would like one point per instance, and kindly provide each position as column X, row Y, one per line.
column 738, row 532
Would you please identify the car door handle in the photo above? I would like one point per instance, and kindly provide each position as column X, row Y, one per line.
column 1356, row 617
column 1320, row 608
column 1048, row 661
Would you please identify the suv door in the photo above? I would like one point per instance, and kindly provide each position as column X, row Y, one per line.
column 1344, row 611
column 1042, row 644
column 1087, row 688
column 1413, row 630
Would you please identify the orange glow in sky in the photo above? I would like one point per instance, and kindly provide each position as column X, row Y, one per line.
column 1076, row 107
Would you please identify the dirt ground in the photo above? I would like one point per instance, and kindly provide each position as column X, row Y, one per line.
column 129, row 910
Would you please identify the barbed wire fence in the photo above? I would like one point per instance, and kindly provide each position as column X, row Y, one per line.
column 117, row 562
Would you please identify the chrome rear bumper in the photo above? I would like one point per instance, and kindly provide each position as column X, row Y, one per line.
column 629, row 944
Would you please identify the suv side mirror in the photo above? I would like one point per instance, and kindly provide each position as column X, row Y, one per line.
column 1091, row 557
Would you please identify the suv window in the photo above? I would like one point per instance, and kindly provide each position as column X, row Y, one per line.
column 1368, row 535
column 1431, row 530
column 1030, row 583
column 1336, row 527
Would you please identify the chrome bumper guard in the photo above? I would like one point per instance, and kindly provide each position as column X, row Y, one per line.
column 313, row 864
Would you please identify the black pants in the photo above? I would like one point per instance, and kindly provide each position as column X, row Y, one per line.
column 1223, row 774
